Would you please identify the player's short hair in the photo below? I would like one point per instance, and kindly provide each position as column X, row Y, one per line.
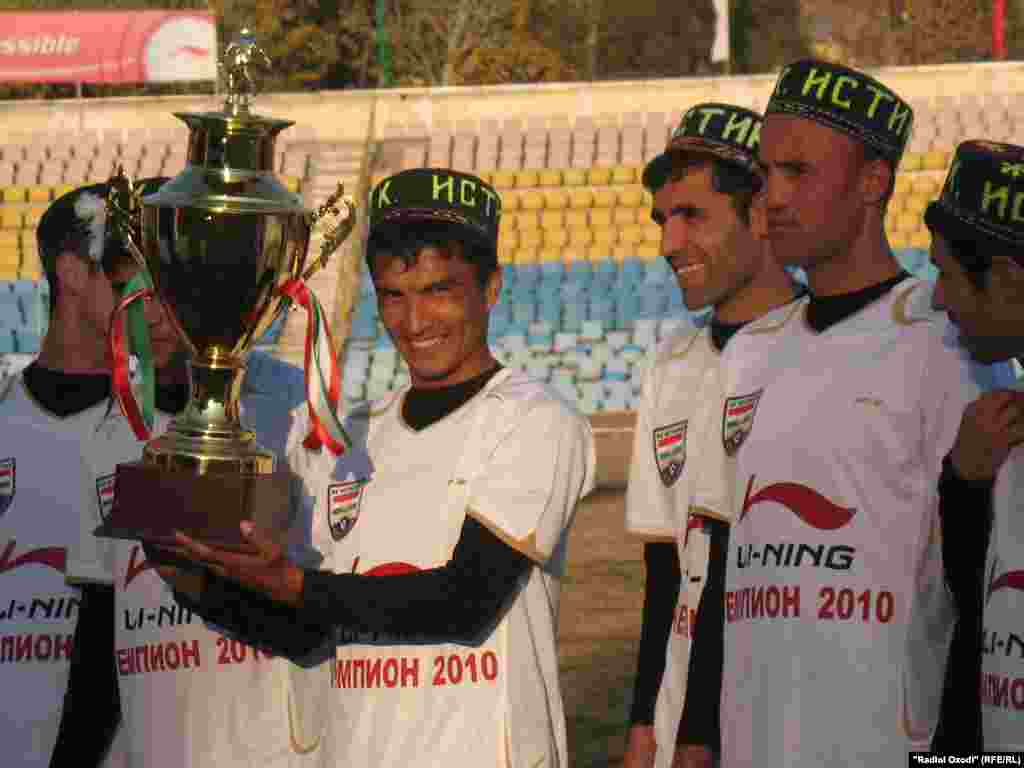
column 726, row 178
column 407, row 242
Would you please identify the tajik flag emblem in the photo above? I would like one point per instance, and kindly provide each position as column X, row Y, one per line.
column 738, row 420
column 670, row 451
column 105, row 495
column 343, row 501
column 6, row 483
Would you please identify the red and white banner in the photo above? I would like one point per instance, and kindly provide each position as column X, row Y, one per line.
column 107, row 47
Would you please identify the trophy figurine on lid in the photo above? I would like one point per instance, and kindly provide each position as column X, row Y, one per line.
column 222, row 246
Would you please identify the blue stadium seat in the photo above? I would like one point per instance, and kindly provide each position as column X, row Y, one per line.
column 6, row 341
column 581, row 273
column 552, row 270
column 573, row 314
column 26, row 342
column 523, row 312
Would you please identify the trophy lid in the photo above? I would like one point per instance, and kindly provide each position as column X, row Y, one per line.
column 230, row 158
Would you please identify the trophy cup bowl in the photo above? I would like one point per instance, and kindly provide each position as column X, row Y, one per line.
column 218, row 241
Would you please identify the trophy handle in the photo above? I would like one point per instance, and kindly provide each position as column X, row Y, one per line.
column 125, row 212
column 336, row 235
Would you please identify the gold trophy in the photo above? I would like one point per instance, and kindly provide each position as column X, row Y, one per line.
column 218, row 241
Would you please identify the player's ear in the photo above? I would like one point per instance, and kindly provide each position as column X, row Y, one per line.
column 492, row 290
column 876, row 180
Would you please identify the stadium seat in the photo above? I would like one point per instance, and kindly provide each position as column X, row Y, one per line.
column 599, row 176
column 11, row 217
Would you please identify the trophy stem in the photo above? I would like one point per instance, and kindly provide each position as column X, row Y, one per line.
column 208, row 436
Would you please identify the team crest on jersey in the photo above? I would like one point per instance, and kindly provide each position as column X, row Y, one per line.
column 105, row 495
column 343, row 501
column 7, row 476
column 670, row 451
column 738, row 420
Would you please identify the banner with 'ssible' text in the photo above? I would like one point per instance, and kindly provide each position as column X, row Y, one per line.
column 107, row 46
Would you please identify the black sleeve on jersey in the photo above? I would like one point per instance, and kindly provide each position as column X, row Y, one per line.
column 456, row 602
column 459, row 602
column 661, row 593
column 92, row 704
column 701, row 719
column 965, row 514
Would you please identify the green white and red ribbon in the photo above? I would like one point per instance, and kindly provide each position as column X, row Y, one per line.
column 323, row 377
column 135, row 390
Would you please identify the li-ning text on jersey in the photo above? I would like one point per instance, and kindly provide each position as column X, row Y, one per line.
column 1002, row 675
column 837, row 621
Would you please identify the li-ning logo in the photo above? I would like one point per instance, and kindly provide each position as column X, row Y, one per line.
column 806, row 503
column 52, row 557
column 1008, row 580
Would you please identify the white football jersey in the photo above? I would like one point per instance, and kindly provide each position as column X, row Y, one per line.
column 517, row 459
column 658, row 497
column 837, row 618
column 1002, row 673
column 46, row 487
column 193, row 696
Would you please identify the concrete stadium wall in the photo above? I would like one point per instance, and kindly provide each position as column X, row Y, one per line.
column 352, row 116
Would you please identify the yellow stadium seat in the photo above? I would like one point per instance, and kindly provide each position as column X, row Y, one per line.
column 600, row 217
column 622, row 216
column 556, row 238
column 922, row 239
column 9, row 254
column 552, row 220
column 8, row 271
column 912, row 161
column 605, row 198
column 903, row 185
column 623, row 174
column 10, row 238
column 648, row 198
column 550, row 177
column 891, row 219
column 581, row 198
column 509, row 200
column 652, row 232
column 907, row 222
column 916, row 204
column 622, row 252
column 527, row 178
column 503, row 179
column 580, row 237
column 40, row 194
column 11, row 217
column 935, row 160
column 557, row 198
column 531, row 200
column 508, row 238
column 926, row 186
column 32, row 216
column 631, row 234
column 62, row 190
column 632, row 196
column 574, row 177
column 550, row 254
column 530, row 238
column 605, row 235
column 15, row 194
column 898, row 240
column 527, row 220
column 648, row 252
column 599, row 176
column 601, row 252
column 526, row 255
column 505, row 254
column 29, row 273
column 576, row 220
column 572, row 255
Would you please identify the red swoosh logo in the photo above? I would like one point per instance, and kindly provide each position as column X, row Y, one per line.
column 806, row 503
column 193, row 51
column 1009, row 580
column 135, row 566
column 53, row 557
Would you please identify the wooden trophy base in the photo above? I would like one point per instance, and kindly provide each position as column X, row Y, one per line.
column 151, row 503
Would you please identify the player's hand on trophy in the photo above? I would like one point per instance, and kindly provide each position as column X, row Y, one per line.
column 266, row 569
column 692, row 756
column 640, row 747
column 991, row 426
